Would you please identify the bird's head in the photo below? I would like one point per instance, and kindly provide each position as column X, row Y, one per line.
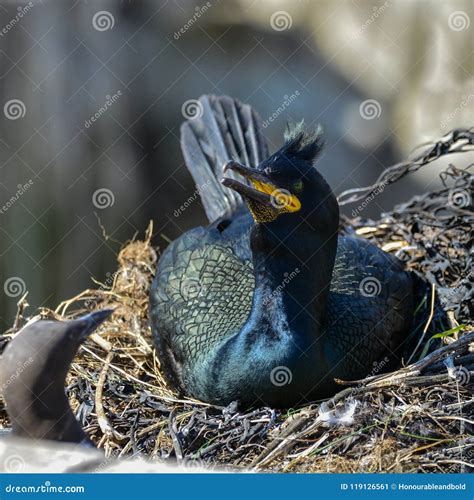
column 44, row 349
column 287, row 184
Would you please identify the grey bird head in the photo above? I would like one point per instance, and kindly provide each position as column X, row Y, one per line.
column 33, row 370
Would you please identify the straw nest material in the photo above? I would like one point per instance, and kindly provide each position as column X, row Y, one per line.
column 417, row 419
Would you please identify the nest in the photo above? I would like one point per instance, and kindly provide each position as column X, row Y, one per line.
column 416, row 419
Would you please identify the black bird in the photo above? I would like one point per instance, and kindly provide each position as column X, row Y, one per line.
column 268, row 305
column 33, row 370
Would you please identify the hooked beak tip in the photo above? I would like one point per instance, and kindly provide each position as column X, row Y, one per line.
column 94, row 319
column 233, row 165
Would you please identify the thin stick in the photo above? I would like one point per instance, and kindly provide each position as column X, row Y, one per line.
column 104, row 424
column 425, row 329
column 146, row 384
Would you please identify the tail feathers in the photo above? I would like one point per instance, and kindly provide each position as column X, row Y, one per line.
column 225, row 129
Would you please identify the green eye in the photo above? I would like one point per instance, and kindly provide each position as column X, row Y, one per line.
column 298, row 186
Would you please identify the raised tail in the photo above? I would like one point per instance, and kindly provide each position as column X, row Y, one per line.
column 224, row 129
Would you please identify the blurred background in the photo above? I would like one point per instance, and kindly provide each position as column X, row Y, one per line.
column 92, row 95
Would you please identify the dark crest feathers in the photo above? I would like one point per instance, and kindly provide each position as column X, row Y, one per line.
column 301, row 143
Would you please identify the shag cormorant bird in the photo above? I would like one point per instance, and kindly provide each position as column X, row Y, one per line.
column 33, row 370
column 268, row 304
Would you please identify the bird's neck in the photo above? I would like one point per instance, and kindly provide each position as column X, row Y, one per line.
column 37, row 403
column 292, row 277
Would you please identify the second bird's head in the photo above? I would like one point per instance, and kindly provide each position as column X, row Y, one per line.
column 287, row 186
